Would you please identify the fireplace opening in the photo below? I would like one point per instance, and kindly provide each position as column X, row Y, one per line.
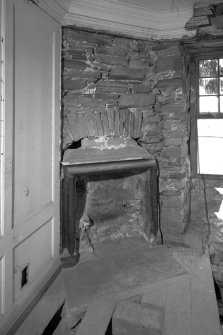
column 112, row 206
column 109, row 192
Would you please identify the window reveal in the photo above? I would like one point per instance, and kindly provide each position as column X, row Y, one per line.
column 209, row 115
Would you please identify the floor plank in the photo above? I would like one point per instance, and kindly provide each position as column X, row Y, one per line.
column 204, row 311
column 174, row 278
column 178, row 307
column 44, row 310
column 97, row 317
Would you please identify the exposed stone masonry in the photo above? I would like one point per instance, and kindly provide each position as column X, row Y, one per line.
column 115, row 86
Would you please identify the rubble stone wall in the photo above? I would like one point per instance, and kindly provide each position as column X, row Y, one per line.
column 114, row 86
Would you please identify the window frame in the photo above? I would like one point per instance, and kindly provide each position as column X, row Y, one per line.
column 194, row 59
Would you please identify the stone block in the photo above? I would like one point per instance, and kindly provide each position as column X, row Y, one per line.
column 172, row 184
column 195, row 240
column 136, row 100
column 157, row 106
column 117, row 121
column 110, row 99
column 91, row 124
column 149, row 139
column 156, row 118
column 104, row 122
column 111, row 119
column 173, row 174
column 176, row 108
column 127, row 122
column 165, row 164
column 83, row 37
column 196, row 22
column 92, row 102
column 180, row 132
column 176, row 116
column 137, row 124
column 171, row 193
column 75, row 53
column 126, row 73
column 77, row 126
column 71, row 100
column 174, row 129
column 171, row 153
column 121, row 122
column 88, row 73
column 74, row 84
column 97, row 117
column 169, row 63
column 126, row 44
column 131, row 124
column 170, row 95
column 172, row 124
column 173, row 238
column 112, row 60
column 149, row 129
column 75, row 64
column 142, row 88
column 105, row 86
column 172, row 141
column 201, row 9
column 139, row 63
column 141, row 319
column 172, row 202
column 172, row 90
column 154, row 148
column 172, row 220
column 67, row 137
column 217, row 257
column 167, row 49
column 110, row 50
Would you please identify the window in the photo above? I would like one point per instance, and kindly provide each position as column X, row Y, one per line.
column 208, row 120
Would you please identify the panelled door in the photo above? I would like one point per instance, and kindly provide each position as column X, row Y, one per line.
column 29, row 143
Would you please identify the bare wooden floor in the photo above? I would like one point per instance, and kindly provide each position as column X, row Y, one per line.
column 175, row 278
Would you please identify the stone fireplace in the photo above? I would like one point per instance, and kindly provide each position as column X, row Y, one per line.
column 126, row 90
column 110, row 192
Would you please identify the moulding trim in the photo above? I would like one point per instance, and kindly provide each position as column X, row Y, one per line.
column 117, row 18
column 129, row 20
column 55, row 8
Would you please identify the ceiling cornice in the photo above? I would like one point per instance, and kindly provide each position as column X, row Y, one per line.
column 55, row 8
column 129, row 20
column 118, row 18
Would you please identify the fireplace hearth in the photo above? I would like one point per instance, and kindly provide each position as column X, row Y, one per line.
column 109, row 192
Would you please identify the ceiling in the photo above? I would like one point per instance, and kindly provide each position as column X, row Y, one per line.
column 144, row 19
column 158, row 5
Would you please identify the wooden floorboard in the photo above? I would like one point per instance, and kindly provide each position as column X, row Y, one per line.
column 188, row 296
column 204, row 311
column 178, row 308
column 189, row 301
column 97, row 317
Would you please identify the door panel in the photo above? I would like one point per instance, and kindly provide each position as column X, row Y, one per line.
column 2, row 302
column 29, row 183
column 34, row 49
column 27, row 265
